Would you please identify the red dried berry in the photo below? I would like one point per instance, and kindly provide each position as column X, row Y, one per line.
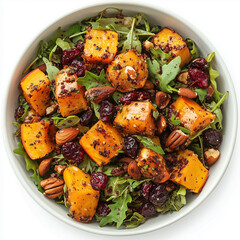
column 98, row 180
column 199, row 63
column 212, row 137
column 146, row 188
column 130, row 147
column 147, row 210
column 85, row 117
column 80, row 45
column 135, row 96
column 73, row 152
column 81, row 68
column 159, row 195
column 106, row 111
column 69, row 54
column 200, row 78
column 103, row 210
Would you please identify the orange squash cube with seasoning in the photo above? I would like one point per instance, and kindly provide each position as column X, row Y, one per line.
column 172, row 43
column 102, row 142
column 36, row 90
column 100, row 46
column 191, row 115
column 69, row 94
column 189, row 171
column 37, row 139
column 136, row 118
column 152, row 165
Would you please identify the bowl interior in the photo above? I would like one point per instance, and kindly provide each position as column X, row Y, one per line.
column 160, row 17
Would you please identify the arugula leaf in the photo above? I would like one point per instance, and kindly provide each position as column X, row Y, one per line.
column 175, row 202
column 87, row 165
column 51, row 70
column 142, row 17
column 193, row 49
column 118, row 210
column 160, row 55
column 91, row 80
column 213, row 75
column 116, row 96
column 148, row 143
column 30, row 165
column 63, row 44
column 96, row 107
column 135, row 220
column 67, row 122
column 169, row 73
column 174, row 121
column 153, row 69
column 201, row 93
column 73, row 29
column 217, row 124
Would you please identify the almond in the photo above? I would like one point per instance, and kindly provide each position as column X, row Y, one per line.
column 66, row 135
column 44, row 166
column 186, row 92
column 98, row 94
column 161, row 124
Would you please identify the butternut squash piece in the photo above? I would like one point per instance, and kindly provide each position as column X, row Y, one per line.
column 36, row 90
column 69, row 94
column 189, row 171
column 100, row 46
column 37, row 139
column 128, row 71
column 102, row 142
column 82, row 198
column 172, row 43
column 152, row 165
column 136, row 118
column 192, row 116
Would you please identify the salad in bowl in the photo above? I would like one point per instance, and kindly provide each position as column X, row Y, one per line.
column 119, row 120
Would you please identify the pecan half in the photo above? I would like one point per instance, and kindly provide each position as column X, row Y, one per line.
column 98, row 94
column 53, row 187
column 133, row 170
column 186, row 92
column 66, row 135
column 176, row 139
column 162, row 99
column 44, row 166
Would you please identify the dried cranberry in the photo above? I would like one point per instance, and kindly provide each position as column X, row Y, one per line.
column 106, row 111
column 99, row 180
column 212, row 137
column 130, row 147
column 73, row 152
column 200, row 78
column 135, row 96
column 85, row 117
column 80, row 45
column 69, row 54
column 146, row 187
column 159, row 195
column 81, row 68
column 147, row 210
column 199, row 63
column 103, row 210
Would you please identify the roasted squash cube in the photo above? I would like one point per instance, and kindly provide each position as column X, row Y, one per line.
column 128, row 71
column 172, row 43
column 69, row 94
column 100, row 46
column 189, row 171
column 36, row 90
column 102, row 142
column 82, row 198
column 37, row 139
column 191, row 115
column 152, row 165
column 136, row 118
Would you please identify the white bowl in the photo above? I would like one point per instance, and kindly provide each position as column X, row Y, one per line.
column 156, row 16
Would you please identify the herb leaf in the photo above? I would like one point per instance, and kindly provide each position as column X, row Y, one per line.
column 193, row 48
column 67, row 122
column 51, row 70
column 135, row 220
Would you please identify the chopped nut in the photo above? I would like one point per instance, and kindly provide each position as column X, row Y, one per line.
column 183, row 77
column 162, row 99
column 147, row 45
column 130, row 71
column 211, row 156
column 133, row 170
column 53, row 187
column 161, row 124
column 60, row 169
column 52, row 108
column 44, row 166
column 186, row 92
column 176, row 139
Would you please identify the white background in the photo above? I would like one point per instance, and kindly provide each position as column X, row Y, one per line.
column 217, row 217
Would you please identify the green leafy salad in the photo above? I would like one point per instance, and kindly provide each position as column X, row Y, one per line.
column 119, row 120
